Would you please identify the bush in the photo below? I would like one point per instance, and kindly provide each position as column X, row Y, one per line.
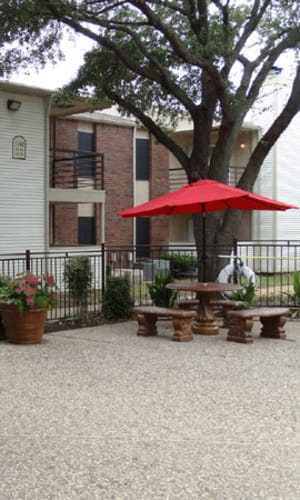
column 4, row 286
column 296, row 286
column 246, row 295
column 4, row 281
column 117, row 299
column 160, row 295
column 78, row 276
column 180, row 263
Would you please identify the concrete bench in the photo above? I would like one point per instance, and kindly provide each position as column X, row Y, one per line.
column 181, row 319
column 226, row 306
column 240, row 323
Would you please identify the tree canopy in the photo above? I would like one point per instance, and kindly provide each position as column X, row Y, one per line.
column 163, row 59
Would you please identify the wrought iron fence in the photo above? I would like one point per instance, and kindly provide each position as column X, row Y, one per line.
column 274, row 264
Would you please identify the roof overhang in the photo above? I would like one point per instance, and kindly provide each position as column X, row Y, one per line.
column 18, row 88
column 76, row 105
column 57, row 107
column 186, row 127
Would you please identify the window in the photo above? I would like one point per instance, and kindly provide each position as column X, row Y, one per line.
column 142, row 237
column 86, row 231
column 142, row 159
column 86, row 162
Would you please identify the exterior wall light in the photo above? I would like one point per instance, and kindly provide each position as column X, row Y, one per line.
column 13, row 105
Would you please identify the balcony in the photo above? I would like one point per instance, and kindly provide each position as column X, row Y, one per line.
column 76, row 176
column 76, row 169
column 177, row 176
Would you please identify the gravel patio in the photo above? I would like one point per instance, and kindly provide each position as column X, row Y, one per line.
column 99, row 413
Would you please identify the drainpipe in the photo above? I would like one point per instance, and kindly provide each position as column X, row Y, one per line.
column 102, row 230
column 134, row 181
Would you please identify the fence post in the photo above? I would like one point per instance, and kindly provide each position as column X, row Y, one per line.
column 103, row 267
column 235, row 264
column 27, row 258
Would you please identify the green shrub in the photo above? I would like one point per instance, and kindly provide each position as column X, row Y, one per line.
column 117, row 299
column 296, row 295
column 4, row 286
column 296, row 286
column 78, row 276
column 180, row 263
column 160, row 295
column 246, row 295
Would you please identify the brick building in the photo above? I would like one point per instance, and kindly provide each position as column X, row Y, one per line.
column 112, row 164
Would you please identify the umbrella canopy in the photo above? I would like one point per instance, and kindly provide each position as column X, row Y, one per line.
column 204, row 196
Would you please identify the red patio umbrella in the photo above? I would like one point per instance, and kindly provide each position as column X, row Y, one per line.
column 204, row 196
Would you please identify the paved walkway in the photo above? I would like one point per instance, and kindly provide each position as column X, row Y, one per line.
column 100, row 413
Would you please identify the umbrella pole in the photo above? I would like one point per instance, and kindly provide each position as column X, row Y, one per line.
column 204, row 256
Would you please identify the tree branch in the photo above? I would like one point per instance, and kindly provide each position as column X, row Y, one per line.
column 160, row 77
column 292, row 38
column 254, row 19
column 186, row 56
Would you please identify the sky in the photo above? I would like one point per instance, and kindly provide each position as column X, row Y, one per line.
column 55, row 76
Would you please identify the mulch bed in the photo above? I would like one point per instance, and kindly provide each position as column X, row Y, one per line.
column 71, row 324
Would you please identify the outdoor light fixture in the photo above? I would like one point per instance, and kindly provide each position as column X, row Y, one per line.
column 13, row 105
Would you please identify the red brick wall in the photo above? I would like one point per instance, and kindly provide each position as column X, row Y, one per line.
column 117, row 145
column 64, row 134
column 65, row 228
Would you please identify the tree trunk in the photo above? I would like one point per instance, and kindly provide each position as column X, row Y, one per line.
column 218, row 240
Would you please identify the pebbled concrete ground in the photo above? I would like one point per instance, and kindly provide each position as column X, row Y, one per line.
column 100, row 413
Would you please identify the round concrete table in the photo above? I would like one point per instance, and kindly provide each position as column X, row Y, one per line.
column 205, row 322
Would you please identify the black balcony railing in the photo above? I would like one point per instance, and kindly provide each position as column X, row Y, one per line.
column 178, row 177
column 71, row 169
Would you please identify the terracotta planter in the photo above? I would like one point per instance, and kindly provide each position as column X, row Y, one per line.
column 26, row 328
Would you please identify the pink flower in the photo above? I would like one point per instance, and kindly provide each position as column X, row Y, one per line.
column 32, row 279
column 49, row 280
column 28, row 290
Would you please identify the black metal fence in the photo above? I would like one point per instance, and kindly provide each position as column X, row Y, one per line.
column 274, row 264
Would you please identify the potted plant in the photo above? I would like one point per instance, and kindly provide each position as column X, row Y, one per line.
column 24, row 302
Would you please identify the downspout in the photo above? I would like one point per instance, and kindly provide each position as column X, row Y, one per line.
column 134, row 183
column 101, row 206
column 102, row 216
